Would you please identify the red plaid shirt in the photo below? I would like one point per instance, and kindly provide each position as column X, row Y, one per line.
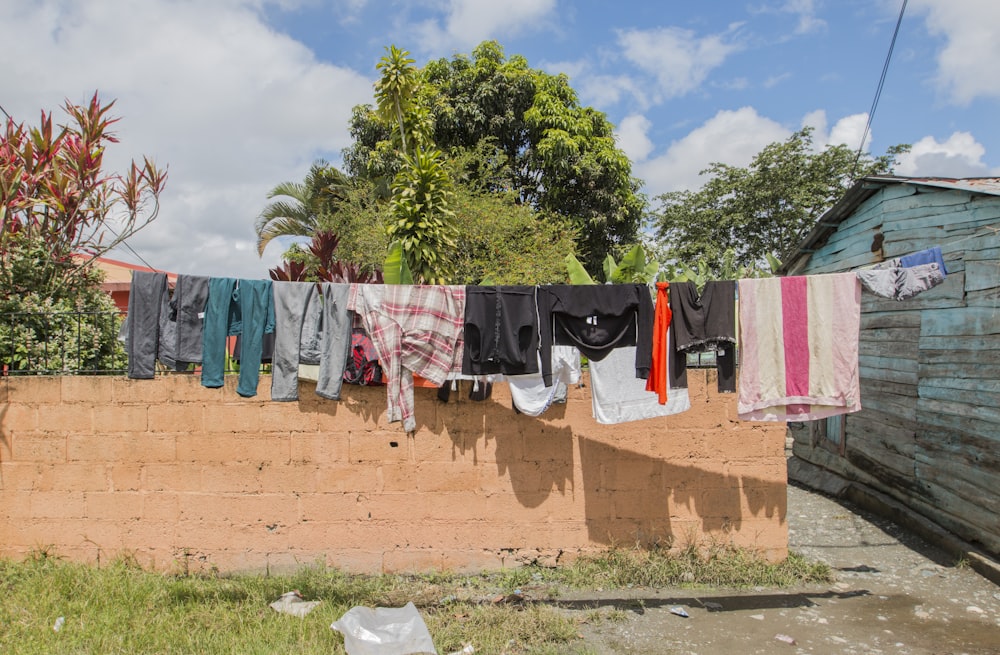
column 415, row 329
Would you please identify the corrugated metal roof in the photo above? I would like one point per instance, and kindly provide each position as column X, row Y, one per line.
column 865, row 188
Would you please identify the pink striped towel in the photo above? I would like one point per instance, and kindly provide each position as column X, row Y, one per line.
column 799, row 347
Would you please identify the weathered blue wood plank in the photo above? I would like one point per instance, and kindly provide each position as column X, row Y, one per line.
column 958, row 408
column 898, row 388
column 888, row 375
column 958, row 480
column 987, row 298
column 974, row 345
column 964, row 321
column 961, row 514
column 966, row 425
column 981, row 275
column 929, row 198
column 903, row 317
column 900, row 335
column 974, row 450
column 932, row 366
column 888, row 363
column 976, row 397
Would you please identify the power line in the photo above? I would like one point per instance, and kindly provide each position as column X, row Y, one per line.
column 9, row 117
column 878, row 91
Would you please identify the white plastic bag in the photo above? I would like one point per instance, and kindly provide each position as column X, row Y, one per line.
column 385, row 631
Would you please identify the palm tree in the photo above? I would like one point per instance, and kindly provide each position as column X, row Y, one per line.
column 300, row 205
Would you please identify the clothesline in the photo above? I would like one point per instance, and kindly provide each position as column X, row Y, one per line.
column 798, row 335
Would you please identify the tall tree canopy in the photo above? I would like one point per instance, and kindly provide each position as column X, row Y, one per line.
column 531, row 135
column 764, row 208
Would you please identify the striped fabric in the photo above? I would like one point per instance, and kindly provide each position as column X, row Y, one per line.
column 415, row 329
column 799, row 347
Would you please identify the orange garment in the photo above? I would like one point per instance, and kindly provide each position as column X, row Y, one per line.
column 657, row 380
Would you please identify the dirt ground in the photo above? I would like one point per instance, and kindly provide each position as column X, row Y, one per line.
column 892, row 593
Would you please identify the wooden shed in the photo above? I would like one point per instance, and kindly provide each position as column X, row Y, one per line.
column 929, row 431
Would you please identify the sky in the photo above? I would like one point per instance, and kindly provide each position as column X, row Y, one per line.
column 236, row 96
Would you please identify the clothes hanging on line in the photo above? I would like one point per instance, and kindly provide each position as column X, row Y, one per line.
column 596, row 319
column 305, row 313
column 243, row 307
column 659, row 380
column 799, row 347
column 415, row 330
column 705, row 323
column 187, row 310
column 501, row 330
column 529, row 393
column 617, row 396
column 149, row 334
column 901, row 283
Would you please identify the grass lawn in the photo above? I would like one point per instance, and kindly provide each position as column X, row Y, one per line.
column 120, row 608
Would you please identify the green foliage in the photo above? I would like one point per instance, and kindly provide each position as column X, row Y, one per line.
column 56, row 195
column 632, row 269
column 394, row 90
column 73, row 328
column 530, row 137
column 298, row 206
column 577, row 273
column 728, row 269
column 423, row 221
column 763, row 209
column 57, row 208
column 499, row 241
column 396, row 270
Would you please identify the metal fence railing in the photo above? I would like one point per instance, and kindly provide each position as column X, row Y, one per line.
column 71, row 343
column 63, row 343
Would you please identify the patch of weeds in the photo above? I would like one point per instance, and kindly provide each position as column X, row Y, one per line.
column 717, row 565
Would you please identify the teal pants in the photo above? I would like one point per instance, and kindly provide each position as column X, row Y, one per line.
column 243, row 307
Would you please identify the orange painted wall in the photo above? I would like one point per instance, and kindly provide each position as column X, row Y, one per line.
column 188, row 478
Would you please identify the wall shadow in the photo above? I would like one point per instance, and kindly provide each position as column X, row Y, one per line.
column 632, row 498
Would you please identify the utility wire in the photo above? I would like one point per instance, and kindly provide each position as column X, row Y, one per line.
column 878, row 91
column 9, row 117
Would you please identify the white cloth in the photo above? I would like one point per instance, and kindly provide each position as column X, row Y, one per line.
column 529, row 393
column 618, row 396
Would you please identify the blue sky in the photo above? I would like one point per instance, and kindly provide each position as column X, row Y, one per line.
column 238, row 95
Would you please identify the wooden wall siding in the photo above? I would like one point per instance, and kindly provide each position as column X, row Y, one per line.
column 929, row 433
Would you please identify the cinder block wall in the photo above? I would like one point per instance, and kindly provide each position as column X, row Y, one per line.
column 192, row 479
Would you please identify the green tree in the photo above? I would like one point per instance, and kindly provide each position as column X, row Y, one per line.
column 296, row 211
column 502, row 242
column 743, row 215
column 59, row 211
column 533, row 138
column 423, row 222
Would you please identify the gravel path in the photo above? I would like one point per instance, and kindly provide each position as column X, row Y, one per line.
column 892, row 593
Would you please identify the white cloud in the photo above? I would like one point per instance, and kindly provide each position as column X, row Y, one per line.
column 730, row 137
column 970, row 30
column 960, row 155
column 607, row 90
column 678, row 58
column 849, row 131
column 572, row 69
column 805, row 10
column 205, row 87
column 846, row 131
column 468, row 22
column 632, row 137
